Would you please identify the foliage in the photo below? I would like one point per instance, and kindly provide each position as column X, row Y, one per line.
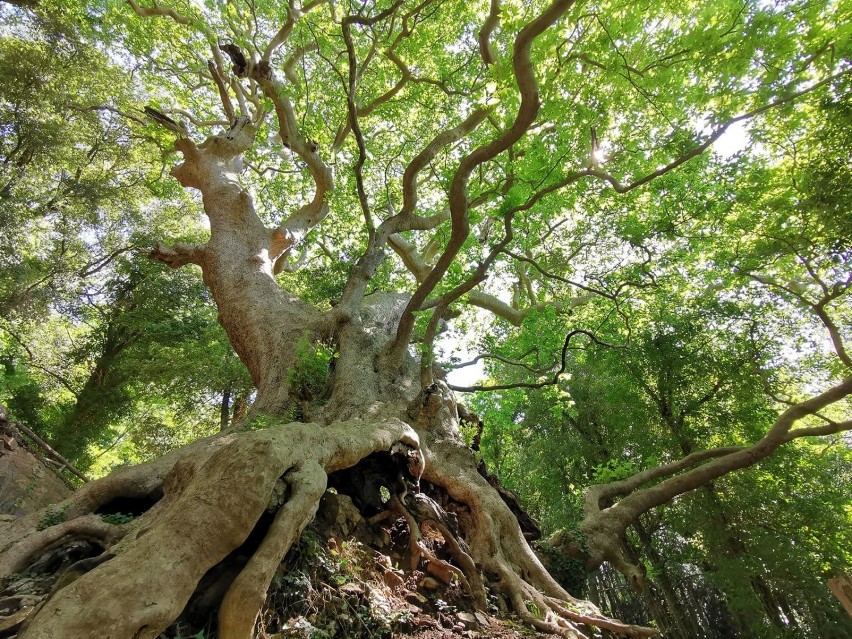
column 100, row 348
column 702, row 302
column 311, row 370
column 118, row 518
column 570, row 572
column 53, row 516
column 307, row 590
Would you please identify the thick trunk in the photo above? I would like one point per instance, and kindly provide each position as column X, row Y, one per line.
column 264, row 323
column 199, row 504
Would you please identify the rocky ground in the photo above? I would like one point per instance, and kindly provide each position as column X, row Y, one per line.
column 328, row 588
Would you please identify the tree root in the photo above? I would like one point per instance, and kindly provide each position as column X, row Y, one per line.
column 213, row 497
column 628, row 630
column 215, row 491
column 498, row 546
column 244, row 599
column 468, row 575
column 523, row 597
column 476, row 586
column 88, row 528
column 138, row 482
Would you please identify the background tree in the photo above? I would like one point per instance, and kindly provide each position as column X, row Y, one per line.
column 87, row 328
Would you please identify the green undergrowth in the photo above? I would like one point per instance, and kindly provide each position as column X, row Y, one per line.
column 53, row 516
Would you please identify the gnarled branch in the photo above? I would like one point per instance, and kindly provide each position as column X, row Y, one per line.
column 157, row 11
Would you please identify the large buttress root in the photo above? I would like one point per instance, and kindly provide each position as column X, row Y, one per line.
column 205, row 514
column 214, row 493
column 498, row 546
column 26, row 537
column 244, row 599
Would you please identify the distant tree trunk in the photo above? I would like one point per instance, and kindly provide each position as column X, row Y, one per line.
column 735, row 551
column 225, row 409
column 101, row 399
column 681, row 624
column 241, row 404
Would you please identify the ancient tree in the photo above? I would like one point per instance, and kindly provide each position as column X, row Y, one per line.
column 451, row 140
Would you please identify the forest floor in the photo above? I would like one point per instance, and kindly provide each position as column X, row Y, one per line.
column 360, row 587
column 496, row 630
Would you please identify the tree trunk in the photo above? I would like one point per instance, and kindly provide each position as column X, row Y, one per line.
column 225, row 409
column 201, row 502
column 680, row 625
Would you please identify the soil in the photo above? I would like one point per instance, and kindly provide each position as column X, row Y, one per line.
column 496, row 629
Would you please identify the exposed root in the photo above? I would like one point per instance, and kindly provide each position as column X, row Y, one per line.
column 628, row 630
column 242, row 603
column 87, row 528
column 418, row 548
column 139, row 482
column 498, row 546
column 523, row 597
column 429, row 511
column 214, row 495
column 415, row 547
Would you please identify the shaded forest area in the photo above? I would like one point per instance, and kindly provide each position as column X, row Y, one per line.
column 425, row 318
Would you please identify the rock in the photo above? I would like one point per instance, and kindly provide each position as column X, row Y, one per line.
column 298, row 628
column 23, row 583
column 391, row 576
column 26, row 485
column 380, row 604
column 481, row 618
column 440, row 571
column 392, row 580
column 416, row 599
column 278, row 496
column 428, row 583
column 8, row 605
column 337, row 516
column 467, row 619
column 382, row 538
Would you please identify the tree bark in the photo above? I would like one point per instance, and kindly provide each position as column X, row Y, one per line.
column 208, row 497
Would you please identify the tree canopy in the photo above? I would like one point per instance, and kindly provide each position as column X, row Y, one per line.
column 632, row 218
